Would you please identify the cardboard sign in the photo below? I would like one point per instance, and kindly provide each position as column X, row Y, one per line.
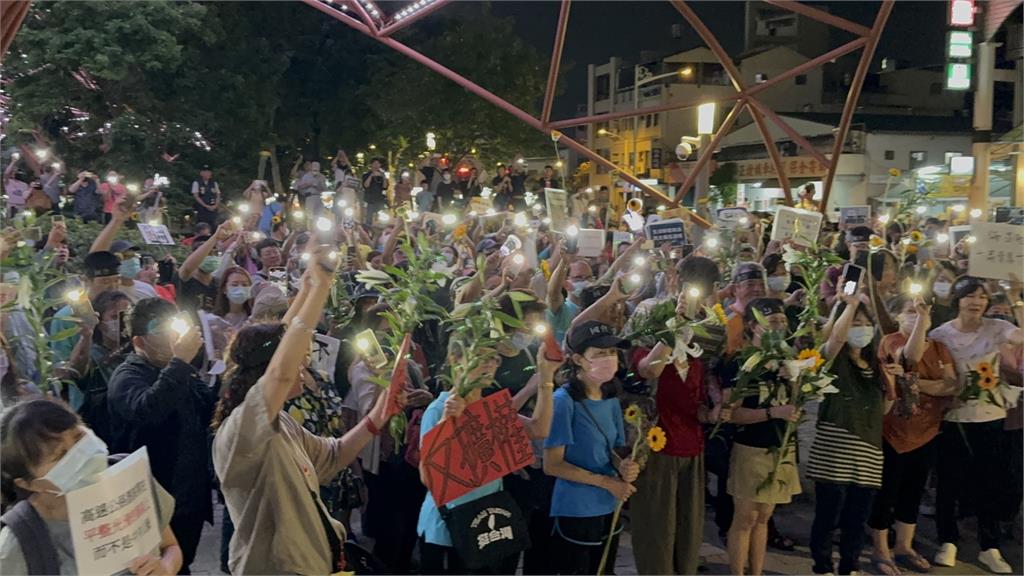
column 591, row 242
column 324, row 357
column 158, row 234
column 487, row 442
column 1010, row 215
column 997, row 251
column 729, row 218
column 671, row 231
column 852, row 216
column 557, row 202
column 799, row 226
column 114, row 520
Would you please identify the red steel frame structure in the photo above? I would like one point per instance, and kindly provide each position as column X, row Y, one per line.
column 366, row 17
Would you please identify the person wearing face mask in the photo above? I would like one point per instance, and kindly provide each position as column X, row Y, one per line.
column 779, row 283
column 909, row 438
column 150, row 274
column 971, row 449
column 856, row 241
column 565, row 288
column 846, row 457
column 129, row 269
column 234, row 297
column 580, row 452
column 748, row 284
column 942, row 290
column 196, row 285
column 157, row 400
column 48, row 452
column 105, row 355
column 760, row 422
column 260, row 454
column 668, row 508
column 437, row 552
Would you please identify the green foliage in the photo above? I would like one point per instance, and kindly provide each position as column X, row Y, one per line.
column 726, row 184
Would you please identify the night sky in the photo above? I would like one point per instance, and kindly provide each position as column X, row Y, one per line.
column 598, row 30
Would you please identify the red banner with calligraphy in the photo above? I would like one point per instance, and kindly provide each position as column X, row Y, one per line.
column 487, row 442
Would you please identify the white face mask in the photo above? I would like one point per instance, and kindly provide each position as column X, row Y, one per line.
column 907, row 322
column 521, row 341
column 860, row 336
column 79, row 467
column 941, row 288
column 778, row 283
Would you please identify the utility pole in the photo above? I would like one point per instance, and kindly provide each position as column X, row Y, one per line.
column 981, row 148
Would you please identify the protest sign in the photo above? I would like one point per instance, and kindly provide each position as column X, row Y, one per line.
column 156, row 234
column 956, row 234
column 620, row 237
column 799, row 226
column 852, row 216
column 325, row 355
column 487, row 442
column 1010, row 215
column 671, row 231
column 114, row 520
column 729, row 218
column 591, row 242
column 557, row 206
column 997, row 251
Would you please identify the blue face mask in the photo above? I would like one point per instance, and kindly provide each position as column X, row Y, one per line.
column 578, row 287
column 239, row 294
column 79, row 467
column 130, row 268
column 521, row 341
column 860, row 336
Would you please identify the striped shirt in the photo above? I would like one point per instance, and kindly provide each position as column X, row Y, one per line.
column 841, row 457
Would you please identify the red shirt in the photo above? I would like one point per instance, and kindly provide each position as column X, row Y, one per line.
column 678, row 402
column 166, row 292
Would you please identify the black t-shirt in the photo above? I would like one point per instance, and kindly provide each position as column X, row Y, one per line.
column 193, row 295
column 428, row 174
column 518, row 184
column 763, row 434
column 374, row 193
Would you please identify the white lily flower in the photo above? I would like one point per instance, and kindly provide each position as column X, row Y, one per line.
column 751, row 362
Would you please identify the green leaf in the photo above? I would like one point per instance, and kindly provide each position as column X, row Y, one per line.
column 517, row 296
column 64, row 334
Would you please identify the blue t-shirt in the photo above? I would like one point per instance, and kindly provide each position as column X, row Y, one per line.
column 586, row 448
column 561, row 320
column 62, row 350
column 431, row 526
column 267, row 217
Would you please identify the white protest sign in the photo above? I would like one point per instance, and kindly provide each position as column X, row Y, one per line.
column 852, row 216
column 114, row 520
column 591, row 242
column 997, row 251
column 557, row 206
column 325, row 355
column 672, row 231
column 956, row 234
column 620, row 237
column 799, row 226
column 729, row 218
column 158, row 234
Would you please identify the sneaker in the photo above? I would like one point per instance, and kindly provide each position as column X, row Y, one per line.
column 993, row 560
column 946, row 556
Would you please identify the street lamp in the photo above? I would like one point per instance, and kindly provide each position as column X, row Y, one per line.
column 641, row 77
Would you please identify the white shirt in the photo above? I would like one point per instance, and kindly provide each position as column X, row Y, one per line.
column 968, row 348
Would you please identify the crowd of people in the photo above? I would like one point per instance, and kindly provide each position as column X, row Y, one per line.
column 213, row 365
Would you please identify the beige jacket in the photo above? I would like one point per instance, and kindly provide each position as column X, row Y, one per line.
column 271, row 477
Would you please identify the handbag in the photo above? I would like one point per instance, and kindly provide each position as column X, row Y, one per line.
column 486, row 530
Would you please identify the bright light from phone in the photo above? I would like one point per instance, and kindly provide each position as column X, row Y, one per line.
column 540, row 329
column 362, row 344
column 942, row 237
column 416, row 191
column 490, row 212
column 915, row 289
column 154, row 222
column 635, row 279
column 849, row 288
column 958, row 208
column 305, row 257
column 744, row 221
column 133, row 188
column 711, row 242
column 693, row 292
column 572, row 231
column 236, row 220
column 180, row 325
column 75, row 295
column 256, row 236
column 546, row 220
column 42, row 153
column 518, row 260
column 244, row 208
column 55, row 165
column 298, row 215
column 884, row 218
column 449, row 219
column 920, row 209
column 520, row 219
column 970, row 240
column 976, row 213
column 323, row 224
column 639, row 261
column 349, row 212
column 413, row 215
column 383, row 217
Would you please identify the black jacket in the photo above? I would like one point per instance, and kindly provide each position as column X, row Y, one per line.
column 168, row 411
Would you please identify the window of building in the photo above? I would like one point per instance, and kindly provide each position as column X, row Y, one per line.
column 760, row 78
column 890, row 154
column 647, row 120
column 918, row 158
column 656, row 119
column 949, row 155
column 602, row 87
column 800, row 79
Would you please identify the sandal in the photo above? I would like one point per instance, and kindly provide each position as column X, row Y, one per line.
column 886, row 567
column 780, row 542
column 913, row 562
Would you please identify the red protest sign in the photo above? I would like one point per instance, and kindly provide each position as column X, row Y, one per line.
column 487, row 442
column 399, row 376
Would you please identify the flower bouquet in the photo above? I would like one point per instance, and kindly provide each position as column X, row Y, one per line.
column 649, row 438
column 982, row 382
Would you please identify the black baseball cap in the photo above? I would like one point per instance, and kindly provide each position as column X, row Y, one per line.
column 767, row 306
column 593, row 334
column 122, row 246
column 100, row 264
column 859, row 234
column 748, row 271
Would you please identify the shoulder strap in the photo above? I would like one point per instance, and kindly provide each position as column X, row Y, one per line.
column 33, row 537
column 613, row 457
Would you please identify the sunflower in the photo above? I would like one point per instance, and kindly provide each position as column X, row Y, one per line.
column 916, row 236
column 656, row 439
column 987, row 382
column 983, row 369
column 632, row 414
column 876, row 241
column 811, row 353
column 459, row 232
column 894, row 172
column 276, row 219
column 720, row 313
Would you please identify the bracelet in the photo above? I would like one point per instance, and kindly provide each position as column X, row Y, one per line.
column 371, row 426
